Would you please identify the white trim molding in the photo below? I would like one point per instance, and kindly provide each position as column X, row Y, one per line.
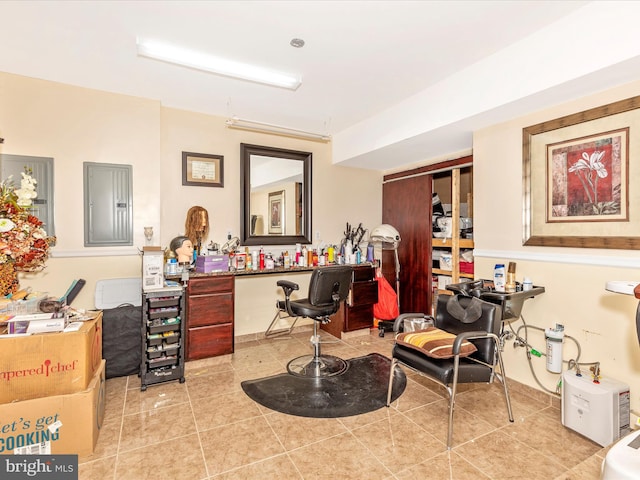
column 96, row 252
column 597, row 260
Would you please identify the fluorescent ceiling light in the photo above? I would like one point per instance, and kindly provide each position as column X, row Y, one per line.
column 261, row 127
column 219, row 66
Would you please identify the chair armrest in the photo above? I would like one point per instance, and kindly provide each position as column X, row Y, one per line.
column 457, row 343
column 401, row 318
column 287, row 286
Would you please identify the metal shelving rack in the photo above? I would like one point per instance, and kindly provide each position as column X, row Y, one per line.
column 163, row 336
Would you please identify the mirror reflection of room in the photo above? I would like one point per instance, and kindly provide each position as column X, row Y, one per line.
column 276, row 186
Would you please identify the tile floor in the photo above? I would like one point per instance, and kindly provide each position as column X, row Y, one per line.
column 207, row 428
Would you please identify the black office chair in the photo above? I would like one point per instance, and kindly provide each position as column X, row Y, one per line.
column 470, row 355
column 328, row 287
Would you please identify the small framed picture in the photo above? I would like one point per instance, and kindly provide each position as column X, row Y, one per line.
column 276, row 212
column 202, row 170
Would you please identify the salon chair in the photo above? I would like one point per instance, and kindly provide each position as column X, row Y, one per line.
column 462, row 348
column 328, row 287
column 281, row 314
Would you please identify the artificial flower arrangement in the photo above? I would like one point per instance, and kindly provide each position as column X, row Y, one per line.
column 24, row 244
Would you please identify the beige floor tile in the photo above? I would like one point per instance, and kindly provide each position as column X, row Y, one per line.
column 280, row 467
column 155, row 426
column 207, row 366
column 589, row 469
column 434, row 418
column 223, row 409
column 101, row 469
column 555, row 439
column 294, row 432
column 236, row 438
column 341, row 457
column 415, row 395
column 265, row 369
column 218, row 383
column 357, row 421
column 488, row 403
column 177, row 459
column 156, row 396
column 444, row 466
column 500, row 456
column 398, row 442
column 108, row 440
column 239, row 444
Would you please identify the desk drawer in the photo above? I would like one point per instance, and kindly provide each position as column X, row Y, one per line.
column 363, row 273
column 214, row 284
column 204, row 342
column 363, row 293
column 209, row 309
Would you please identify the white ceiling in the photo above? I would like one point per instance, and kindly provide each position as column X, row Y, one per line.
column 361, row 58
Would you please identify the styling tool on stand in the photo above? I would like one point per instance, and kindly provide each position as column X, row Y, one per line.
column 389, row 237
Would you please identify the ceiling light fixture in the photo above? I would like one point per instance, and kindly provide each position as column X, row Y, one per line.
column 261, row 127
column 220, row 66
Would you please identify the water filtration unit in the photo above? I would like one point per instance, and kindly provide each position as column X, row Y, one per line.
column 554, row 337
column 599, row 411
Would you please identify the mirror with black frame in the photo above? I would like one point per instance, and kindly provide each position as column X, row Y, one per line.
column 276, row 195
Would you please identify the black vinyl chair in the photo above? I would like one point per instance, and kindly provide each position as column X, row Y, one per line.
column 328, row 287
column 470, row 320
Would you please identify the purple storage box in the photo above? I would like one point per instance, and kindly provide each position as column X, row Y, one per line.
column 212, row 263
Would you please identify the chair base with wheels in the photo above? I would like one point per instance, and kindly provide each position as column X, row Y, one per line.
column 328, row 287
column 317, row 364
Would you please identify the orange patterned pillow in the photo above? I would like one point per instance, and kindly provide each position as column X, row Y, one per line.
column 434, row 343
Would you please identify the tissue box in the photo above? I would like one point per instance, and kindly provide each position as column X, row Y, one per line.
column 212, row 263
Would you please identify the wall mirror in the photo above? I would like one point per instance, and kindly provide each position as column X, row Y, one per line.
column 276, row 196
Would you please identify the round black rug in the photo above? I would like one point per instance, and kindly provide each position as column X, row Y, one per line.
column 360, row 389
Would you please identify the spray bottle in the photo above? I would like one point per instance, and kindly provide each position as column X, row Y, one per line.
column 499, row 277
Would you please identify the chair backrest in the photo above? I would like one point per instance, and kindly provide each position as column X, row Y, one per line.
column 490, row 320
column 327, row 280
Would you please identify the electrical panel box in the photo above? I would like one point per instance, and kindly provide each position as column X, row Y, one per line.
column 599, row 411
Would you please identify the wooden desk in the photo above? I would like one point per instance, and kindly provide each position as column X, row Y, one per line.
column 357, row 312
column 211, row 313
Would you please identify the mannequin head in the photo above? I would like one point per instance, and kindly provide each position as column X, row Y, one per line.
column 182, row 248
column 196, row 226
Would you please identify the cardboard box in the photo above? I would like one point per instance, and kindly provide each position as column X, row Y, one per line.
column 60, row 424
column 152, row 269
column 46, row 364
column 212, row 263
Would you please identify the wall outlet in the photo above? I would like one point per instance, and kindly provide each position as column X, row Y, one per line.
column 317, row 234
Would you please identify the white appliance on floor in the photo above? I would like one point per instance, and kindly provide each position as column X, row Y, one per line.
column 599, row 411
column 623, row 459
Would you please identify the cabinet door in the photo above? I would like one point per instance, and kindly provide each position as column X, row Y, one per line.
column 210, row 341
column 359, row 317
column 210, row 309
column 406, row 205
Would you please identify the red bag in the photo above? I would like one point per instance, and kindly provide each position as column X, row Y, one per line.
column 387, row 306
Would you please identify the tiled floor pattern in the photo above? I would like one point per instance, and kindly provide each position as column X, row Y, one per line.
column 207, row 428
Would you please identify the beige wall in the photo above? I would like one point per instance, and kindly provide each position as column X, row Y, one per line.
column 574, row 279
column 74, row 125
